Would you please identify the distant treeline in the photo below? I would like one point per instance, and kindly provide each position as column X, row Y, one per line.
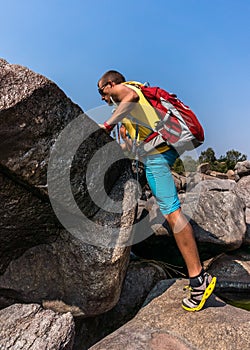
column 221, row 164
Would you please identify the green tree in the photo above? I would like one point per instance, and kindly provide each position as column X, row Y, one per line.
column 178, row 166
column 224, row 163
column 232, row 157
column 220, row 166
column 207, row 156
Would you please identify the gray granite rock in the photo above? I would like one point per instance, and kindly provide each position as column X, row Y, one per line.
column 25, row 327
column 242, row 169
column 164, row 325
column 217, row 218
column 81, row 270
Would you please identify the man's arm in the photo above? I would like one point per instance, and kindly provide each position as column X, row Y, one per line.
column 126, row 98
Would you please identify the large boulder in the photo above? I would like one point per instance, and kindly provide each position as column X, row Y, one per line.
column 214, row 185
column 242, row 190
column 28, row 326
column 242, row 169
column 233, row 274
column 162, row 324
column 140, row 278
column 217, row 174
column 35, row 113
column 55, row 159
column 217, row 218
column 66, row 275
column 247, row 238
column 203, row 167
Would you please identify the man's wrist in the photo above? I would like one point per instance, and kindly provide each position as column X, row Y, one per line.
column 108, row 126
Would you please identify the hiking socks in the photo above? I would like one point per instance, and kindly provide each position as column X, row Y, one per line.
column 197, row 280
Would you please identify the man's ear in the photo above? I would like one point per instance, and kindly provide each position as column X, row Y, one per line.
column 112, row 83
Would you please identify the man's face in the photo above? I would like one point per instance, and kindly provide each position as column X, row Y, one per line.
column 105, row 90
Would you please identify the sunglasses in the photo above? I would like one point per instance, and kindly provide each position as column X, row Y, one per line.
column 100, row 90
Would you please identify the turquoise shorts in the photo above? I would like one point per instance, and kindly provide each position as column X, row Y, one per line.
column 160, row 180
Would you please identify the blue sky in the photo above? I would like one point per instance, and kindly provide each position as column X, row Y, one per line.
column 199, row 49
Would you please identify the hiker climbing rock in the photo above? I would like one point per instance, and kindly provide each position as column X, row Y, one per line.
column 140, row 118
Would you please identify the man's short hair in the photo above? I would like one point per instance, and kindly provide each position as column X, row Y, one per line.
column 114, row 76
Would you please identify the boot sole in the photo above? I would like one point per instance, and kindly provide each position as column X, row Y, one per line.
column 206, row 295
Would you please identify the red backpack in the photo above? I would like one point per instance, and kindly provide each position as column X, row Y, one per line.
column 178, row 126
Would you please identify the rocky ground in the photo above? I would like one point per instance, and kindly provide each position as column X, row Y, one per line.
column 162, row 325
column 81, row 288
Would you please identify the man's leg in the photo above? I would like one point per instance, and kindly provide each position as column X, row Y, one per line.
column 183, row 234
column 163, row 188
column 201, row 283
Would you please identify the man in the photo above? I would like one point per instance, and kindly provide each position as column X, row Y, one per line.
column 136, row 114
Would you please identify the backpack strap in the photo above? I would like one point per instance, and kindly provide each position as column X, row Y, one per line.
column 154, row 138
column 139, row 85
column 134, row 83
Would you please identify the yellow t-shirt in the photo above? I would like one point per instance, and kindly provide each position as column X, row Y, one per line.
column 142, row 112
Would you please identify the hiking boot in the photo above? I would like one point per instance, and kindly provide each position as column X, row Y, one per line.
column 199, row 295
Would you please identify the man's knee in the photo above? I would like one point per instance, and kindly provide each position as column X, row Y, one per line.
column 178, row 221
column 173, row 216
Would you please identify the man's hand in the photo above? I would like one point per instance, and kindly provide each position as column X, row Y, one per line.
column 102, row 126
